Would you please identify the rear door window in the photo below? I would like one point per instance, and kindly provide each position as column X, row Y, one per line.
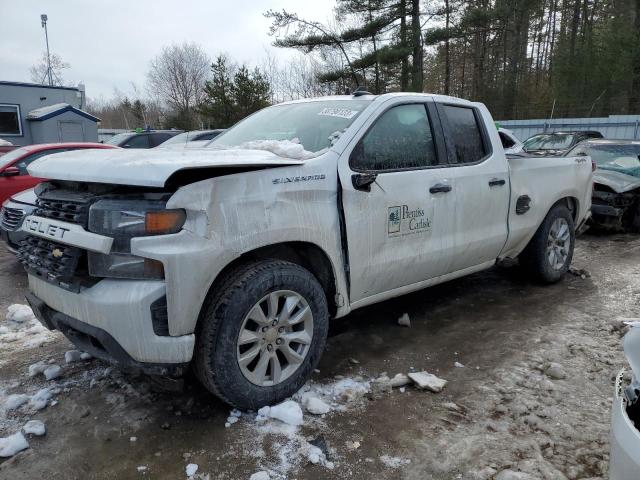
column 464, row 134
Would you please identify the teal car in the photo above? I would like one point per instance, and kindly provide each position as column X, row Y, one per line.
column 616, row 183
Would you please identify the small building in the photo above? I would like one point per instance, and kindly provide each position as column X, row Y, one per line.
column 32, row 113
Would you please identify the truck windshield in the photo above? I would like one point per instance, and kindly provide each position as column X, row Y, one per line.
column 312, row 125
column 549, row 141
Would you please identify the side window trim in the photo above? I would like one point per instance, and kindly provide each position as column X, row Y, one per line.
column 484, row 135
column 434, row 125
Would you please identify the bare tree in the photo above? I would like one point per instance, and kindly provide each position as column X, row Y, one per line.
column 39, row 70
column 177, row 77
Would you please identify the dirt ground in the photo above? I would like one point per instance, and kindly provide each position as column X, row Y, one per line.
column 503, row 415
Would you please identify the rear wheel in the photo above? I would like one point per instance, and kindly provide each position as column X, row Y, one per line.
column 261, row 334
column 550, row 251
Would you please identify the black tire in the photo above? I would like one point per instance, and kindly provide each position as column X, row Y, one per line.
column 215, row 359
column 534, row 258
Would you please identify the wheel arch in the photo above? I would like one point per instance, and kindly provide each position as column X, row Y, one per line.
column 306, row 254
column 572, row 203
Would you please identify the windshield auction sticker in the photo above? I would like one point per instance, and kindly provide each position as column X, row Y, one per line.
column 338, row 112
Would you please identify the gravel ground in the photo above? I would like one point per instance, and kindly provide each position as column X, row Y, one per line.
column 532, row 400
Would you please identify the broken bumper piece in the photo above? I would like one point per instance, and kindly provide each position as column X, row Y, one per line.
column 624, row 463
column 113, row 321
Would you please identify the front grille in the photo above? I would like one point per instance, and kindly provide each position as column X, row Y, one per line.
column 51, row 261
column 64, row 206
column 11, row 218
column 62, row 265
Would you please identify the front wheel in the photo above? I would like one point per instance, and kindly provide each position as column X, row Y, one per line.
column 550, row 251
column 262, row 334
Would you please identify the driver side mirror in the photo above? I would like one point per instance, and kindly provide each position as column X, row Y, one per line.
column 10, row 172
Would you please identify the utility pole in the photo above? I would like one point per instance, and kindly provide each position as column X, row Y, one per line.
column 43, row 19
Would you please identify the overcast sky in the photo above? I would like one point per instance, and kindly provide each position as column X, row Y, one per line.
column 110, row 43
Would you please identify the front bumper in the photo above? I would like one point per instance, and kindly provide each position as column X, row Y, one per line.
column 606, row 210
column 112, row 320
column 624, row 463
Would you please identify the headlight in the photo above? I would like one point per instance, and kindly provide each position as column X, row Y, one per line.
column 124, row 220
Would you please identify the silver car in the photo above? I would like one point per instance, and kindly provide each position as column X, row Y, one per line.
column 625, row 419
column 13, row 212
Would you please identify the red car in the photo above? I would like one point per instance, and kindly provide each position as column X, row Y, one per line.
column 14, row 177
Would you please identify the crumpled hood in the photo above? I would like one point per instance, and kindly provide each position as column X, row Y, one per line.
column 149, row 168
column 618, row 181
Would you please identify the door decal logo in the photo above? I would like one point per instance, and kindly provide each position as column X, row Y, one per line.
column 402, row 220
column 394, row 220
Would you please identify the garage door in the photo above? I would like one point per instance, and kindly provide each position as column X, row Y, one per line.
column 70, row 132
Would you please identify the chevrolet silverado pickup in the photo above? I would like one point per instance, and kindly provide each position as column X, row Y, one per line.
column 232, row 259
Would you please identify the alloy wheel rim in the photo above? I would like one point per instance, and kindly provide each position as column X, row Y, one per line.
column 558, row 243
column 274, row 338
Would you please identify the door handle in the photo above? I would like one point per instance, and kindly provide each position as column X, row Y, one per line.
column 440, row 188
column 497, row 182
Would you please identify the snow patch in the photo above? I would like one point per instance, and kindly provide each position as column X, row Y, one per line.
column 288, row 412
column 34, row 427
column 52, row 372
column 191, row 469
column 40, row 399
column 12, row 444
column 427, row 381
column 22, row 330
column 394, row 462
column 315, row 405
column 16, row 401
column 283, row 148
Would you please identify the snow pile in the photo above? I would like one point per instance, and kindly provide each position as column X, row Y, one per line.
column 72, row 356
column 280, row 446
column 427, row 381
column 52, row 372
column 13, row 444
column 288, row 412
column 18, row 313
column 233, row 417
column 283, row 148
column 315, row 405
column 16, row 401
column 336, row 395
column 191, row 469
column 40, row 399
column 21, row 330
column 34, row 427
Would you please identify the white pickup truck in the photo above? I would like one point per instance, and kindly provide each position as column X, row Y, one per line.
column 233, row 258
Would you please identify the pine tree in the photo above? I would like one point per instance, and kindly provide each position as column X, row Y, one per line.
column 218, row 105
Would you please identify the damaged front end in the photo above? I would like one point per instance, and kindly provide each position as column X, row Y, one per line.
column 625, row 419
column 616, row 201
